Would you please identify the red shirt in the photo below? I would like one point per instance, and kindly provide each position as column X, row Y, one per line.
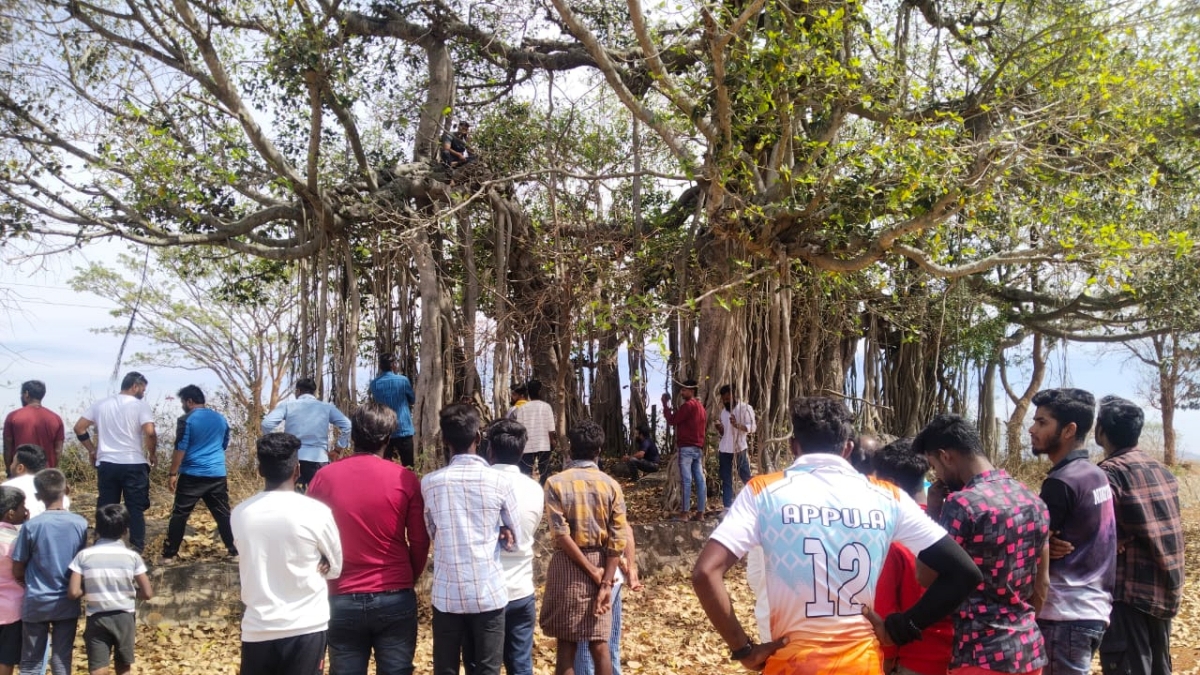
column 33, row 424
column 899, row 590
column 690, row 422
column 380, row 516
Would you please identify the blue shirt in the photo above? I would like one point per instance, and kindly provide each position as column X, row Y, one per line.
column 396, row 392
column 203, row 440
column 47, row 544
column 308, row 419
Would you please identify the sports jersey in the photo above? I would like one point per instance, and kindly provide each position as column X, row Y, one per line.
column 825, row 531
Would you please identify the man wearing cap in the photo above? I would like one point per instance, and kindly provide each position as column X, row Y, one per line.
column 690, row 421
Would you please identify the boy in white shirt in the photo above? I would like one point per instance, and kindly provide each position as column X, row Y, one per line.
column 289, row 546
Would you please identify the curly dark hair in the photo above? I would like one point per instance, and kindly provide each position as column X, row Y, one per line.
column 1069, row 405
column 278, row 456
column 1121, row 421
column 898, row 464
column 948, row 432
column 506, row 440
column 586, row 440
column 821, row 424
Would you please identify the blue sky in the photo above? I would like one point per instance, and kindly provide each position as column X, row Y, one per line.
column 46, row 334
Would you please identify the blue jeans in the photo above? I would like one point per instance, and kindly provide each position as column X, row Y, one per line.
column 1070, row 645
column 691, row 469
column 725, row 464
column 583, row 657
column 519, row 618
column 34, row 637
column 360, row 623
column 130, row 482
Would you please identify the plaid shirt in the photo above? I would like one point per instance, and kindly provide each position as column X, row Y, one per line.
column 1149, row 532
column 584, row 502
column 465, row 504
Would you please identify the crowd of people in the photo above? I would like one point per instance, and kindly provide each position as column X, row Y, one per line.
column 971, row 574
column 978, row 575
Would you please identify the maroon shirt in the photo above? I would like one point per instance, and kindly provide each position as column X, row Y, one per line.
column 380, row 515
column 690, row 422
column 33, row 424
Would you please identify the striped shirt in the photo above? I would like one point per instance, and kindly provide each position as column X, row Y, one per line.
column 108, row 570
column 396, row 392
column 465, row 505
column 584, row 502
column 538, row 419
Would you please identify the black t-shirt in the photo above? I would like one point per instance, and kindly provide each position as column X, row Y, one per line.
column 456, row 144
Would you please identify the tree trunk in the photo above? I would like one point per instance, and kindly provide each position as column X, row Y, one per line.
column 605, row 400
column 987, row 409
column 431, row 381
column 1014, row 429
column 1168, row 383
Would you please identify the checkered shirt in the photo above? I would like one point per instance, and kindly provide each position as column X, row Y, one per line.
column 584, row 502
column 1149, row 533
column 465, row 505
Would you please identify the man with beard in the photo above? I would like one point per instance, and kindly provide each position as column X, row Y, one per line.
column 1005, row 528
column 124, row 451
column 1079, row 499
column 735, row 424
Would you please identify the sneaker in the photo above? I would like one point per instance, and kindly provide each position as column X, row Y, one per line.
column 232, row 557
column 164, row 561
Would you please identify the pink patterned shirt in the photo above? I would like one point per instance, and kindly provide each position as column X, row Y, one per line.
column 11, row 593
column 1002, row 526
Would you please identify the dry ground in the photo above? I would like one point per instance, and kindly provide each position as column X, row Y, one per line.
column 665, row 631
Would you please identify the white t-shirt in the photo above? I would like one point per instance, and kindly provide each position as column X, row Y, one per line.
column 24, row 483
column 119, row 419
column 280, row 537
column 518, row 564
column 734, row 440
column 825, row 531
column 538, row 419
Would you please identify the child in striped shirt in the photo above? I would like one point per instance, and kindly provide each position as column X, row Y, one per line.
column 110, row 575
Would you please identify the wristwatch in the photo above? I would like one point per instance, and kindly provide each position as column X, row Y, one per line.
column 739, row 654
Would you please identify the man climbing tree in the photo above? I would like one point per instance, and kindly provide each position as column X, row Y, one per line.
column 455, row 151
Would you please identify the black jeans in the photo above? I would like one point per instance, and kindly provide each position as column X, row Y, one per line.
column 307, row 471
column 486, row 633
column 402, row 447
column 130, row 482
column 637, row 464
column 299, row 655
column 1135, row 643
column 543, row 465
column 385, row 623
column 188, row 491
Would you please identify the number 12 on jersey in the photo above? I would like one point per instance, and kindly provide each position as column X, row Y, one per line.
column 853, row 571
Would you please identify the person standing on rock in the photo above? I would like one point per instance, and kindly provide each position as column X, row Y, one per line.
column 735, row 425
column 34, row 424
column 289, row 548
column 1150, row 553
column 396, row 392
column 124, row 452
column 198, row 471
column 309, row 418
column 690, row 422
column 380, row 515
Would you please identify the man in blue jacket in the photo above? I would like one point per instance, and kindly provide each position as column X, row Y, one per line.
column 309, row 418
column 396, row 392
